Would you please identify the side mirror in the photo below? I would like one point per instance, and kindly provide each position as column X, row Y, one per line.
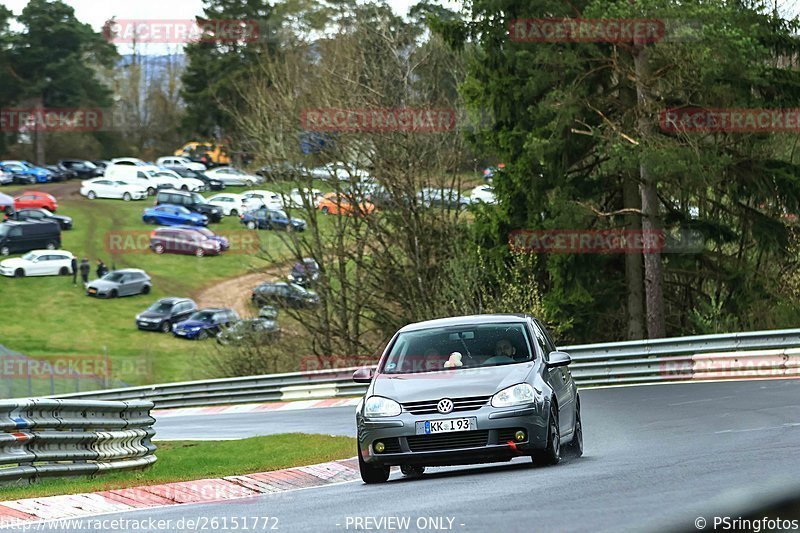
column 556, row 359
column 362, row 375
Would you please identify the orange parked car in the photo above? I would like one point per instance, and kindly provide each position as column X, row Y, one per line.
column 335, row 203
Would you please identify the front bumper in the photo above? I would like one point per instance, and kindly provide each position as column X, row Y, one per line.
column 489, row 442
column 186, row 334
column 149, row 326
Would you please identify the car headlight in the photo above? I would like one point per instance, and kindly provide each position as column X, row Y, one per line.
column 380, row 406
column 519, row 394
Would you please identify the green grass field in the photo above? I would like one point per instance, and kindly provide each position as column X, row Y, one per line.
column 186, row 461
column 49, row 317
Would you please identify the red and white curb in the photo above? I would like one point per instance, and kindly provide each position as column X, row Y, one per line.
column 256, row 407
column 184, row 492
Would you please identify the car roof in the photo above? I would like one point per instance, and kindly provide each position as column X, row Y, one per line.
column 129, row 270
column 215, row 309
column 468, row 320
column 174, row 299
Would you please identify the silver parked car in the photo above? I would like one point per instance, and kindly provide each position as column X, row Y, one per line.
column 125, row 282
column 465, row 390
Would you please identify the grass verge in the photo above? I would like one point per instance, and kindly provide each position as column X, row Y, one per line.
column 189, row 460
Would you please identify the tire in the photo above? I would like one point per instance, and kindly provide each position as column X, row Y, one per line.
column 325, row 210
column 165, row 326
column 91, row 195
column 234, row 213
column 158, row 248
column 372, row 474
column 19, row 273
column 5, row 250
column 150, row 191
column 412, row 471
column 150, row 220
column 126, row 197
column 575, row 446
column 63, row 271
column 113, row 294
column 145, row 289
column 251, row 225
column 51, row 245
column 551, row 454
column 184, row 188
column 203, row 335
column 199, row 252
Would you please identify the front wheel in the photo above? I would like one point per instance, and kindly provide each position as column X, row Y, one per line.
column 51, row 246
column 5, row 250
column 575, row 446
column 91, row 195
column 412, row 471
column 126, row 197
column 63, row 271
column 19, row 273
column 234, row 213
column 203, row 335
column 251, row 225
column 372, row 474
column 551, row 454
column 166, row 326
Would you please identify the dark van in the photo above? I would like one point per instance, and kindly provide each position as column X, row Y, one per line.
column 19, row 236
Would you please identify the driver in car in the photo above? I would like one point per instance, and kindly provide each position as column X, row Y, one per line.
column 504, row 348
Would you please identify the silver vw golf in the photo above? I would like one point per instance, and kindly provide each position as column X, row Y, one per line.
column 464, row 390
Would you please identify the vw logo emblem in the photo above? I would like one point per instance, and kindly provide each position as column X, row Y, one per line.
column 445, row 406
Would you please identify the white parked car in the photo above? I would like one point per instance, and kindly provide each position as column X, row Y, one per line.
column 144, row 175
column 267, row 199
column 174, row 161
column 38, row 263
column 483, row 193
column 233, row 176
column 112, row 188
column 129, row 161
column 179, row 182
column 296, row 197
column 339, row 171
column 234, row 204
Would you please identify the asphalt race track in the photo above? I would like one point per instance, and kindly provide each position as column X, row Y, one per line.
column 657, row 458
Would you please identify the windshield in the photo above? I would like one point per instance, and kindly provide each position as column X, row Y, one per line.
column 30, row 256
column 113, row 276
column 198, row 198
column 202, row 316
column 485, row 345
column 160, row 307
column 3, row 230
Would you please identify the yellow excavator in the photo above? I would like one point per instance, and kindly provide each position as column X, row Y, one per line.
column 209, row 154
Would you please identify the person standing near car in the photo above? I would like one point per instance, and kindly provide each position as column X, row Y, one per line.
column 102, row 269
column 74, row 266
column 85, row 268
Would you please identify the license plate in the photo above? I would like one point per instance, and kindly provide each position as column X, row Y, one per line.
column 181, row 333
column 449, row 425
column 92, row 291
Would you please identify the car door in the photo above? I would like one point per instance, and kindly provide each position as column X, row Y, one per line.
column 561, row 381
column 37, row 267
column 133, row 283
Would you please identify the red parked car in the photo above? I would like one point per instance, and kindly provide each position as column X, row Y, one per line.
column 35, row 199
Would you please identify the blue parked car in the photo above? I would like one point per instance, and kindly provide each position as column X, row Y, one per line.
column 173, row 215
column 205, row 323
column 271, row 219
column 23, row 168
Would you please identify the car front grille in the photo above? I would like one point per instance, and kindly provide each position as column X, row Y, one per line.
column 427, row 407
column 448, row 441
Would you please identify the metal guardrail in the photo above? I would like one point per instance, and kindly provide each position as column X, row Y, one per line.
column 49, row 438
column 615, row 363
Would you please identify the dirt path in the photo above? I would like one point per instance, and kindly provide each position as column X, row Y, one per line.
column 235, row 292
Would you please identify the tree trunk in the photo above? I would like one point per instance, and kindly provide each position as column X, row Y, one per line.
column 38, row 135
column 654, row 295
column 634, row 280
